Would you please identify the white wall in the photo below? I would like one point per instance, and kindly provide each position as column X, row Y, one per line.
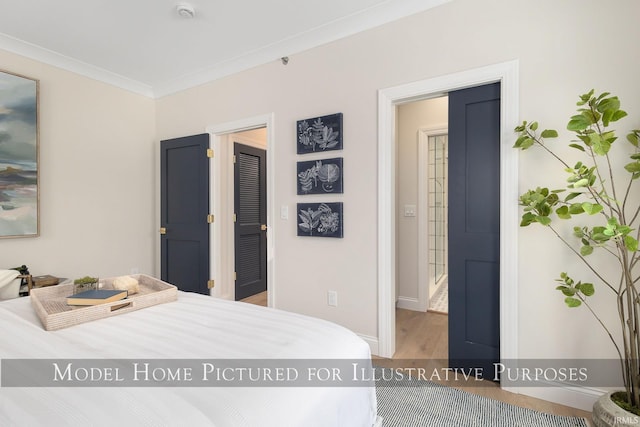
column 411, row 117
column 96, row 178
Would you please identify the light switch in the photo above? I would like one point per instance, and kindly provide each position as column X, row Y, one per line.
column 284, row 212
column 409, row 210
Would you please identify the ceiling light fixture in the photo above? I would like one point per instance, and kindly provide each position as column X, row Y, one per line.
column 185, row 10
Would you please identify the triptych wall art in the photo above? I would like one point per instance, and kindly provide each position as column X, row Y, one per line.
column 320, row 176
column 19, row 193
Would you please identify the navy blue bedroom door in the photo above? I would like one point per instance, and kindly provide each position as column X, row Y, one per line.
column 184, row 212
column 474, row 228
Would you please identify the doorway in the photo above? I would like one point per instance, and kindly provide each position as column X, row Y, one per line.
column 421, row 224
column 473, row 116
column 389, row 99
column 256, row 132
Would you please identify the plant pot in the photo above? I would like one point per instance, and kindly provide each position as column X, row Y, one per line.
column 606, row 414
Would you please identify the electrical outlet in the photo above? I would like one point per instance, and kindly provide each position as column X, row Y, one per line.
column 332, row 298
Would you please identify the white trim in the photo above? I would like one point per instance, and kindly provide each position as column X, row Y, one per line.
column 372, row 341
column 376, row 15
column 507, row 74
column 575, row 397
column 56, row 59
column 409, row 303
column 218, row 131
column 423, row 213
column 379, row 14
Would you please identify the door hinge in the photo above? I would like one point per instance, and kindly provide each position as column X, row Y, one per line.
column 163, row 230
column 210, row 153
column 235, row 217
column 211, row 284
column 210, row 219
column 234, row 159
column 263, row 227
column 235, row 276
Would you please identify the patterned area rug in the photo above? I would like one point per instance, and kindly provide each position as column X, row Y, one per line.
column 416, row 403
column 439, row 302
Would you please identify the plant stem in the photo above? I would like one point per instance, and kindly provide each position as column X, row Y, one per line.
column 583, row 260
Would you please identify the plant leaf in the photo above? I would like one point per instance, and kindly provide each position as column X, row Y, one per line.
column 591, row 208
column 571, row 196
column 587, row 289
column 630, row 243
column 572, row 302
column 549, row 133
column 586, row 250
column 578, row 123
column 544, row 220
column 563, row 212
column 566, row 290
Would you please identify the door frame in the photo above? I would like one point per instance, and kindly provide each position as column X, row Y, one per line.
column 507, row 74
column 226, row 288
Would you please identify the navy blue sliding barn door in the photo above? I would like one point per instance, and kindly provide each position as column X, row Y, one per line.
column 474, row 228
column 184, row 209
column 250, row 184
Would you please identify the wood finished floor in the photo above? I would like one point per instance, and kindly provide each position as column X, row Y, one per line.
column 422, row 341
column 257, row 299
column 422, row 338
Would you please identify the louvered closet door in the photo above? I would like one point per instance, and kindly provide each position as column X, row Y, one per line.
column 250, row 184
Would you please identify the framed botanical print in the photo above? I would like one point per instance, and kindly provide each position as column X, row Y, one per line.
column 320, row 176
column 319, row 134
column 320, row 219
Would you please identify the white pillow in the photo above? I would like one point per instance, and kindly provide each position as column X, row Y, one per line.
column 9, row 285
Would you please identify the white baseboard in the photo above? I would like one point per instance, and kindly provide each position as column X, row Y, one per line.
column 575, row 397
column 408, row 303
column 372, row 341
column 378, row 422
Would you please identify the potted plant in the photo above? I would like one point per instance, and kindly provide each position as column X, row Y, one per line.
column 601, row 187
column 84, row 284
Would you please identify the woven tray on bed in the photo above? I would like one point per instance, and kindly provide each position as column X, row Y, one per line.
column 54, row 313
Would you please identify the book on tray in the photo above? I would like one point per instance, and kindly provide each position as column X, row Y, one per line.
column 96, row 296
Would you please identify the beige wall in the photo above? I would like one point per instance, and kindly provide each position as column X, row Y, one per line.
column 96, row 178
column 412, row 117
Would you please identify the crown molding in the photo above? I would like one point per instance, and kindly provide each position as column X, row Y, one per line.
column 67, row 63
column 374, row 16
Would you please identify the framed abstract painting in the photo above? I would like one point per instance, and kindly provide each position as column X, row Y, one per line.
column 19, row 184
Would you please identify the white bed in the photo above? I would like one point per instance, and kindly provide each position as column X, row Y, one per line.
column 193, row 327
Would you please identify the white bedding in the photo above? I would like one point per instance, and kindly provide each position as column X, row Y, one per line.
column 193, row 327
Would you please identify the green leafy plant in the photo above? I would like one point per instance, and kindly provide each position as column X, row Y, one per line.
column 84, row 284
column 594, row 188
column 85, row 280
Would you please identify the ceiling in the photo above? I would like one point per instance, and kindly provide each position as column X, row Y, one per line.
column 146, row 47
